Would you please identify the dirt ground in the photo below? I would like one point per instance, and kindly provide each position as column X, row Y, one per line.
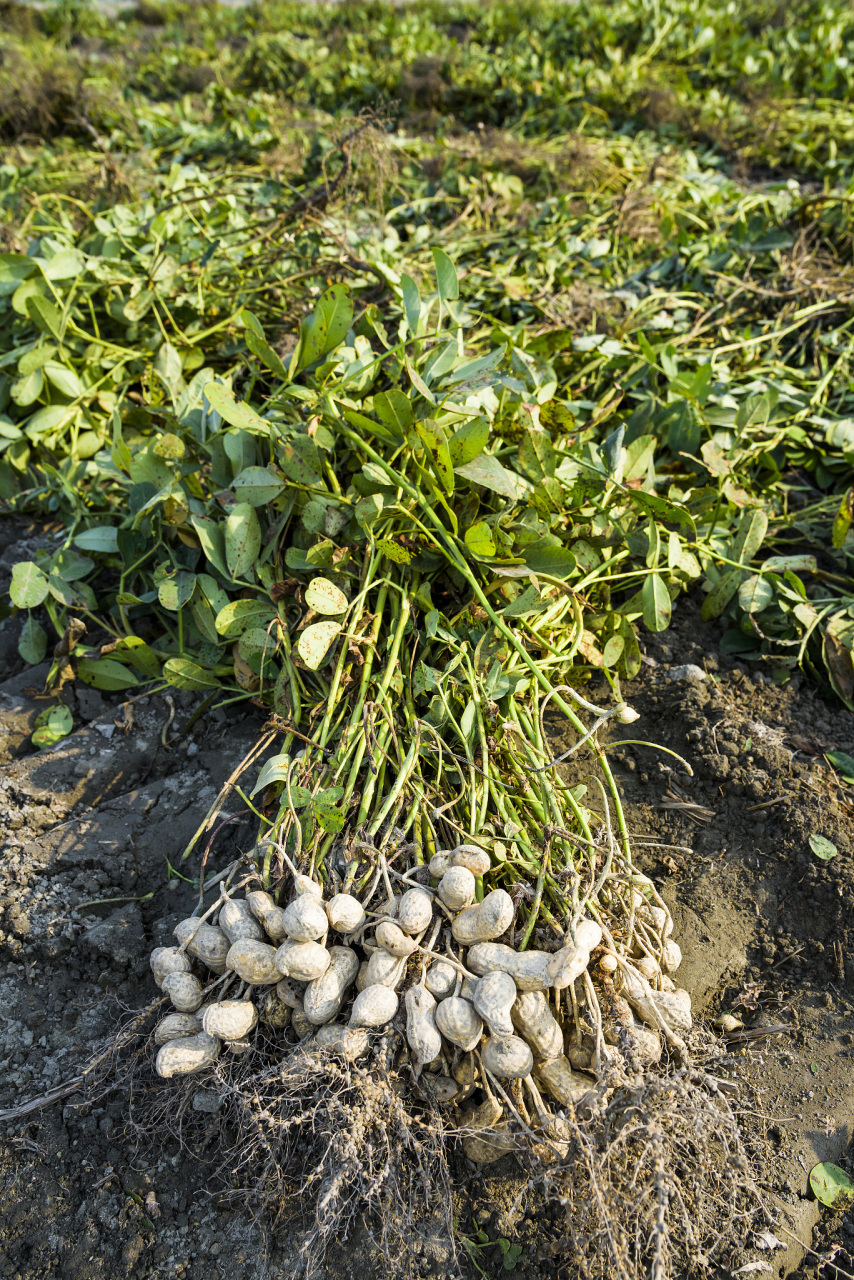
column 766, row 928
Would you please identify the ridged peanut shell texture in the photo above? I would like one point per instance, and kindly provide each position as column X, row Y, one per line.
column 485, row 921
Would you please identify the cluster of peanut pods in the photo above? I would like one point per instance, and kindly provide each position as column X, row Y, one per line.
column 478, row 1017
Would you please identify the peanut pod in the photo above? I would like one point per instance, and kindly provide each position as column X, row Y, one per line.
column 187, row 1056
column 459, row 1023
column 528, row 969
column 229, row 1019
column 166, row 960
column 487, row 920
column 324, row 996
column 494, row 996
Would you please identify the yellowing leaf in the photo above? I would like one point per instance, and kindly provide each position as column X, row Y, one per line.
column 313, row 643
column 324, row 597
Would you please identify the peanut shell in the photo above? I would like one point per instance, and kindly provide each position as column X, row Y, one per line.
column 175, row 1026
column 374, row 1007
column 253, row 961
column 187, row 1056
column 168, row 960
column 324, row 996
column 184, row 990
column 487, row 920
column 303, row 961
column 229, row 1019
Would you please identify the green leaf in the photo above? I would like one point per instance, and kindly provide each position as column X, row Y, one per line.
column 487, row 471
column 612, row 650
column 832, row 1186
column 478, row 539
column 797, row 564
column 14, row 267
column 257, row 642
column 65, row 380
column 369, row 509
column 265, row 353
column 753, row 412
column 527, row 602
column 242, row 540
column 393, row 551
column 752, row 528
column 537, row 457
column 842, row 520
column 720, row 595
column 300, row 461
column 435, row 443
column 52, row 725
column 32, row 644
column 325, row 330
column 543, row 557
column 45, row 316
column 331, row 819
column 235, row 412
column 468, row 441
column 324, row 597
column 257, row 486
column 275, row 770
column 842, row 762
column 823, row 848
column 755, row 594
column 236, row 617
column 411, row 302
column 212, row 539
column 314, row 642
column 102, row 538
column 105, row 673
column 660, row 509
column 656, row 603
column 29, row 585
column 446, row 276
column 175, row 589
column 184, row 674
column 70, row 566
column 140, row 655
column 467, row 721
column 394, row 408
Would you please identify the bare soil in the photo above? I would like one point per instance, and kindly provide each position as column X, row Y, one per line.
column 766, row 928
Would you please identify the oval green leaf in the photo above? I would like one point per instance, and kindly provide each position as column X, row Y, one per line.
column 29, row 585
column 242, row 540
column 832, row 1186
column 823, row 848
column 656, row 603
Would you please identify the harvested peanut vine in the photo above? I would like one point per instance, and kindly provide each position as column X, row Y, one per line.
column 424, row 889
